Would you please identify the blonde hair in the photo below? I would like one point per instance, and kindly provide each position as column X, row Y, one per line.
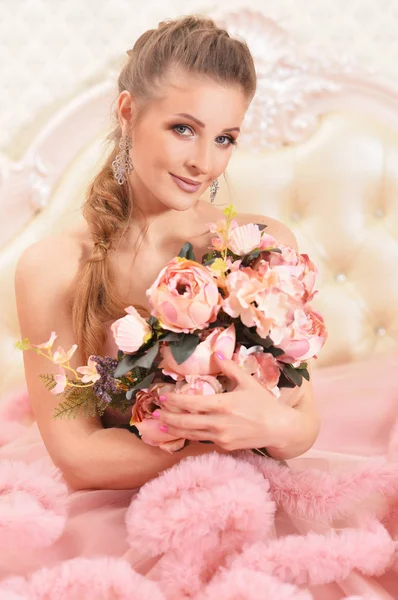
column 196, row 45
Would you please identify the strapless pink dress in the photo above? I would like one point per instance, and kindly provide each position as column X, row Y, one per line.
column 324, row 526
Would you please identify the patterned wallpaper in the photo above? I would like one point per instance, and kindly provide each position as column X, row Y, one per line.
column 50, row 51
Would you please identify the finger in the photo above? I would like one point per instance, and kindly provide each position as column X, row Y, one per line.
column 185, row 421
column 233, row 371
column 193, row 403
column 192, row 435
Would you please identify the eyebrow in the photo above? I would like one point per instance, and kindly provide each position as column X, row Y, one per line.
column 188, row 116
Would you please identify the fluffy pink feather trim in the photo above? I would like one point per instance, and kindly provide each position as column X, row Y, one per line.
column 32, row 507
column 83, row 578
column 316, row 559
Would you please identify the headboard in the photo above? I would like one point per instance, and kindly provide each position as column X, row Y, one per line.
column 319, row 151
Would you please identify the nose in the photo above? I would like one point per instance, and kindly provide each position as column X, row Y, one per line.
column 201, row 158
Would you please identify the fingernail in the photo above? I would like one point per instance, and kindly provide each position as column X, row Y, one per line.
column 156, row 414
column 162, row 398
column 220, row 356
column 164, row 428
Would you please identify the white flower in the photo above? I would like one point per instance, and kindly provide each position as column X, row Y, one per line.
column 48, row 345
column 60, row 356
column 89, row 372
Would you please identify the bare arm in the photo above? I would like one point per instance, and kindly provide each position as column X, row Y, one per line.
column 88, row 455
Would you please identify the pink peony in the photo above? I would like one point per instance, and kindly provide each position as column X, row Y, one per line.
column 305, row 337
column 261, row 365
column 184, row 296
column 201, row 361
column 296, row 272
column 131, row 332
column 251, row 298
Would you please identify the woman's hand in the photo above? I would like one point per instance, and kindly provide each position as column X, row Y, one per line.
column 247, row 417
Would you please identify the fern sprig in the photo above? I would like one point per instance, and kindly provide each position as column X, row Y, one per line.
column 80, row 400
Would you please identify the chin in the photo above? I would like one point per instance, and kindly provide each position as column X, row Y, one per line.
column 180, row 201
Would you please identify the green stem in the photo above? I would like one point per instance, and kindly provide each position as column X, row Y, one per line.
column 65, row 366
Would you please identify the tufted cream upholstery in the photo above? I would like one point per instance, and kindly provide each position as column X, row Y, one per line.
column 336, row 187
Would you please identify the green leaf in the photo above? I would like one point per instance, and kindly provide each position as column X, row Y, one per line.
column 132, row 361
column 257, row 339
column 80, row 399
column 187, row 251
column 140, row 386
column 303, row 365
column 171, row 337
column 209, row 258
column 305, row 373
column 250, row 257
column 125, row 365
column 22, row 345
column 48, row 381
column 184, row 347
column 293, row 375
column 147, row 359
column 275, row 351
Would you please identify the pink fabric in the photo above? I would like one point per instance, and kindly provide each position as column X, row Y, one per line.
column 219, row 527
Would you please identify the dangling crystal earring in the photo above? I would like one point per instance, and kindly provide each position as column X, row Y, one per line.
column 122, row 164
column 213, row 190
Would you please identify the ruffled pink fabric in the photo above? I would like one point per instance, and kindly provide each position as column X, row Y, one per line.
column 324, row 526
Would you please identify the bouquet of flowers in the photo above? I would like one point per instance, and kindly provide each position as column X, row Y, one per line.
column 248, row 299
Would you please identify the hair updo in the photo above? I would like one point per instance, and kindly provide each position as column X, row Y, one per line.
column 196, row 45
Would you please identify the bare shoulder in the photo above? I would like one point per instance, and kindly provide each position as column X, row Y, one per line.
column 45, row 276
column 277, row 229
column 55, row 257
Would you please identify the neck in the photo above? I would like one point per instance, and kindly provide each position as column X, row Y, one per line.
column 156, row 221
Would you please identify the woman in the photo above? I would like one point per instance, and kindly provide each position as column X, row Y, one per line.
column 182, row 98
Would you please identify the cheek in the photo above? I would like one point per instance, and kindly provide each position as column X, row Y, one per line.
column 221, row 160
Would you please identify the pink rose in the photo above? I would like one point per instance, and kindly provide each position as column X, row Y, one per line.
column 201, row 361
column 184, row 296
column 261, row 365
column 131, row 332
column 147, row 401
column 305, row 337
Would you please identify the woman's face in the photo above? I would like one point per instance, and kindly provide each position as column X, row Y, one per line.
column 188, row 132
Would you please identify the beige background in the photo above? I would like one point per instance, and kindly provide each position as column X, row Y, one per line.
column 52, row 50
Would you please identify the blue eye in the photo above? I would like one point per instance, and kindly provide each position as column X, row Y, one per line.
column 179, row 127
column 181, row 130
column 229, row 139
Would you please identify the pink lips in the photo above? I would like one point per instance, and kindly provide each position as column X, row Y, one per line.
column 184, row 185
